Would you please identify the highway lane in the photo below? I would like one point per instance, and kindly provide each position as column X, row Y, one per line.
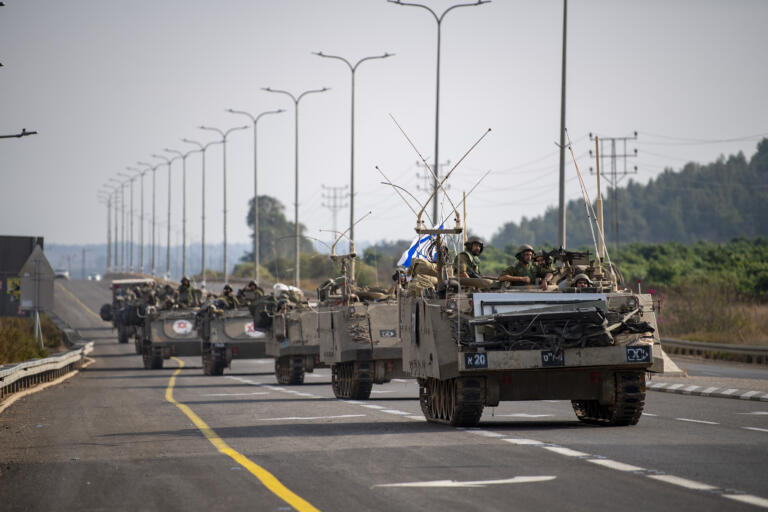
column 108, row 438
column 708, row 368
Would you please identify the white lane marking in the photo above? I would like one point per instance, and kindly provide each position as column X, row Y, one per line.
column 683, row 482
column 476, row 483
column 697, row 421
column 522, row 442
column 748, row 498
column 379, row 391
column 237, row 394
column 691, row 388
column 612, row 464
column 240, row 379
column 395, row 411
column 658, row 385
column 756, row 429
column 310, row 395
column 399, row 380
column 675, row 386
column 419, row 418
column 371, row 406
column 353, row 402
column 710, row 390
column 485, row 433
column 649, row 414
column 308, row 418
column 748, row 395
column 758, row 413
column 729, row 391
column 313, row 376
column 764, row 397
column 523, row 415
column 566, row 451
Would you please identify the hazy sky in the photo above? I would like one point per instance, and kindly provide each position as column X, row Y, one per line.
column 108, row 83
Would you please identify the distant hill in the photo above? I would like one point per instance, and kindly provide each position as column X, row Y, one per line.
column 715, row 202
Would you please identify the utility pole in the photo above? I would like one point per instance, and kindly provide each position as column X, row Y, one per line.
column 83, row 263
column 613, row 175
column 333, row 199
column 561, row 189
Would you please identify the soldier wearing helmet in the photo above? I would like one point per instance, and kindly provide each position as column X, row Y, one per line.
column 250, row 293
column 581, row 281
column 544, row 270
column 399, row 280
column 467, row 263
column 185, row 294
column 524, row 271
column 227, row 299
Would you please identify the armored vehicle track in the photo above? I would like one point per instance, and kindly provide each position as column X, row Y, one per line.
column 457, row 402
column 626, row 408
column 352, row 380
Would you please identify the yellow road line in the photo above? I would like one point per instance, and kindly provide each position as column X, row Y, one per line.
column 266, row 478
column 89, row 310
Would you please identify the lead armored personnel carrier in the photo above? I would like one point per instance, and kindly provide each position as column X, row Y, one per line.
column 125, row 308
column 358, row 331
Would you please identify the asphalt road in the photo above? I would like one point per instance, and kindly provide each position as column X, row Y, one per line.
column 112, row 438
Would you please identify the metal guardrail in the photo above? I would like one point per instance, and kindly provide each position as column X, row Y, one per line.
column 743, row 353
column 20, row 376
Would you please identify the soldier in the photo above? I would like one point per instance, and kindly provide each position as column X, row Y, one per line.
column 249, row 294
column 227, row 299
column 399, row 281
column 581, row 281
column 524, row 271
column 544, row 270
column 186, row 297
column 467, row 263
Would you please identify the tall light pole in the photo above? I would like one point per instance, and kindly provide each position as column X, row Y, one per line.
column 183, row 157
column 224, row 135
column 296, row 100
column 153, row 168
column 202, row 147
column 256, row 232
column 130, row 222
column 109, row 191
column 119, row 240
column 561, row 195
column 168, row 239
column 352, row 69
column 141, row 216
column 439, row 20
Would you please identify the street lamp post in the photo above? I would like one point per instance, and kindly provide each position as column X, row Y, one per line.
column 224, row 135
column 168, row 239
column 256, row 232
column 153, row 168
column 202, row 147
column 141, row 216
column 119, row 242
column 296, row 100
column 439, row 20
column 130, row 222
column 183, row 157
column 352, row 69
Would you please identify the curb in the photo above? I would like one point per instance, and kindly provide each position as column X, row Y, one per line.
column 712, row 391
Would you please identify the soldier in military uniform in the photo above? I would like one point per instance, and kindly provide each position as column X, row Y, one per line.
column 544, row 270
column 581, row 281
column 399, row 281
column 249, row 294
column 467, row 263
column 227, row 299
column 524, row 271
column 185, row 294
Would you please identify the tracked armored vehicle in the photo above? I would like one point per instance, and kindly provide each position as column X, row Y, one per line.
column 294, row 343
column 358, row 331
column 229, row 334
column 472, row 348
column 125, row 309
column 167, row 333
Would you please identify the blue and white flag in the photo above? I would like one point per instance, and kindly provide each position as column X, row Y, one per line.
column 417, row 250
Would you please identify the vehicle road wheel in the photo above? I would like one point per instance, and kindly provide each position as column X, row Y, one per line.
column 122, row 335
column 352, row 380
column 289, row 370
column 626, row 408
column 457, row 402
column 151, row 360
column 212, row 366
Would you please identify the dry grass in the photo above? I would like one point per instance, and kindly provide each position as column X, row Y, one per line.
column 715, row 314
column 17, row 342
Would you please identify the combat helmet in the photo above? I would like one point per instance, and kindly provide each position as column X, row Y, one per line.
column 227, row 287
column 474, row 240
column 522, row 249
column 581, row 277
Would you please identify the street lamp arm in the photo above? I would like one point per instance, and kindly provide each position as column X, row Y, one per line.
column 439, row 19
column 479, row 2
column 212, row 129
column 269, row 89
column 243, row 112
column 408, row 4
column 372, row 57
column 310, row 92
column 342, row 59
column 235, row 128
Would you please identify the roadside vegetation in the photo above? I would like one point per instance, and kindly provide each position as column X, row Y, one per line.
column 17, row 342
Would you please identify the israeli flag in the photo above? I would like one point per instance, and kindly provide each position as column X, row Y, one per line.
column 417, row 250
